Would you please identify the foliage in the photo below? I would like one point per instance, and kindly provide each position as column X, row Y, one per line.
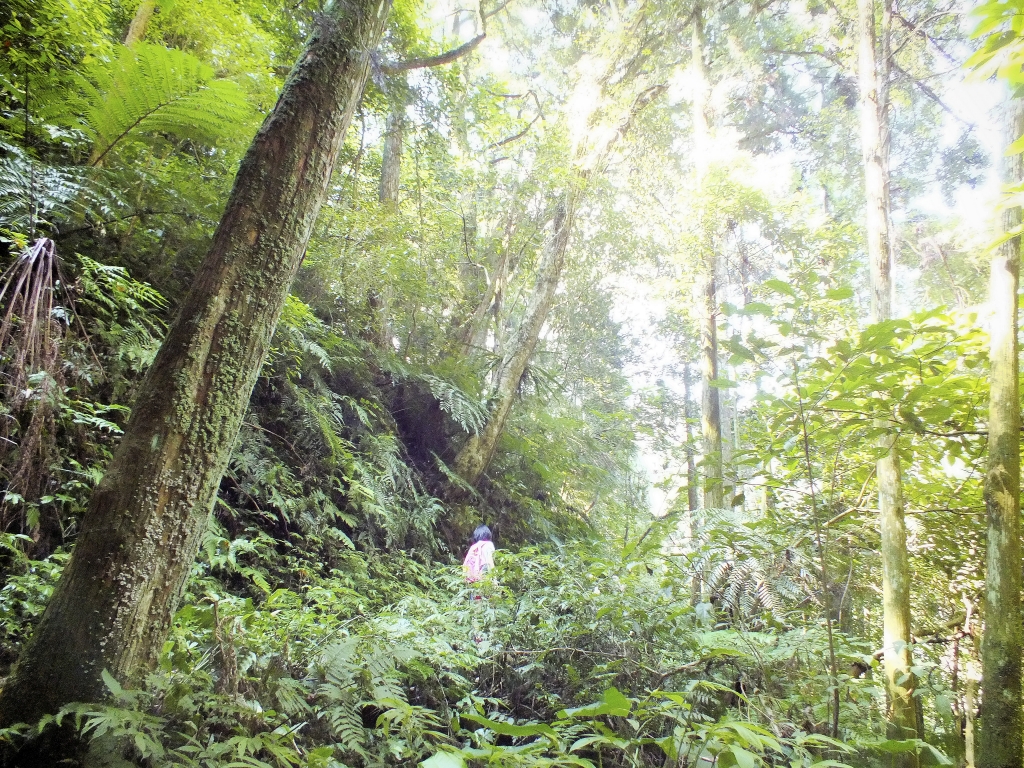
column 149, row 89
column 324, row 623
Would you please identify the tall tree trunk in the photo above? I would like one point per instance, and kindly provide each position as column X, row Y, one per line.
column 874, row 126
column 137, row 29
column 692, row 498
column 711, row 410
column 380, row 297
column 474, row 457
column 473, row 335
column 971, row 680
column 728, row 411
column 391, row 156
column 1000, row 745
column 112, row 607
column 591, row 150
column 692, row 521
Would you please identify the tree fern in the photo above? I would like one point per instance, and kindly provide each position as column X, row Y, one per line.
column 150, row 89
column 748, row 574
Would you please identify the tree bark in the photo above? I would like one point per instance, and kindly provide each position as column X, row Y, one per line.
column 391, row 156
column 692, row 500
column 137, row 29
column 381, row 296
column 711, row 411
column 973, row 677
column 112, row 607
column 1000, row 745
column 874, row 127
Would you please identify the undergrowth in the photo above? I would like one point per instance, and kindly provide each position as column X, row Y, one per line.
column 568, row 658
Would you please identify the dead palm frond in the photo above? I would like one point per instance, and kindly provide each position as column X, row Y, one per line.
column 31, row 331
column 31, row 328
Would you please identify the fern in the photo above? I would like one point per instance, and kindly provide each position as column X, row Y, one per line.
column 465, row 411
column 748, row 575
column 150, row 89
column 34, row 195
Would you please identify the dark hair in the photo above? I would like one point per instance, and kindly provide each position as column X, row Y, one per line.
column 483, row 533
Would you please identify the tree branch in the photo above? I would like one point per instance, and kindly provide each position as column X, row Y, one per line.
column 918, row 29
column 423, row 62
column 927, row 91
column 517, row 136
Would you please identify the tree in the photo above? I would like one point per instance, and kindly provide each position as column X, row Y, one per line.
column 1000, row 743
column 603, row 124
column 873, row 80
column 711, row 407
column 476, row 454
column 113, row 605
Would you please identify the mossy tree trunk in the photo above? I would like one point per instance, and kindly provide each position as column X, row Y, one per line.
column 874, row 126
column 114, row 603
column 999, row 745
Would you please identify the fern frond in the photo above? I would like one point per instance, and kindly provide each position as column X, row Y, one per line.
column 464, row 410
column 35, row 195
column 153, row 89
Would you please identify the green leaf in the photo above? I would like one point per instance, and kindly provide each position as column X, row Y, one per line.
column 893, row 746
column 612, row 702
column 444, row 760
column 840, row 294
column 744, row 759
column 508, row 729
column 112, row 685
column 780, row 286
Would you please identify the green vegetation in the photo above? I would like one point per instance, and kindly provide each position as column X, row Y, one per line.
column 688, row 302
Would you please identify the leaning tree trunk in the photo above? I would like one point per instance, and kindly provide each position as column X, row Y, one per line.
column 874, row 126
column 591, row 153
column 999, row 745
column 112, row 607
column 476, row 454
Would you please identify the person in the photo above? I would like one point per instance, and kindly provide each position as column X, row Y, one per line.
column 480, row 558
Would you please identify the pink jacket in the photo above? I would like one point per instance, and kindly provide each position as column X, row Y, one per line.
column 479, row 560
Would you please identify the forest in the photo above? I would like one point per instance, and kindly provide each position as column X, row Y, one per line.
column 707, row 309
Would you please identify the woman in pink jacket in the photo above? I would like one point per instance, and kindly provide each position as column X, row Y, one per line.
column 480, row 558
